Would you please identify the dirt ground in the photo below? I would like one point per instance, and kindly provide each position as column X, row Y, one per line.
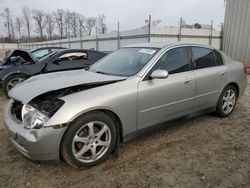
column 203, row 152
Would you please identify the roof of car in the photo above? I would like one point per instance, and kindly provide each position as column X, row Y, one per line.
column 81, row 50
column 163, row 45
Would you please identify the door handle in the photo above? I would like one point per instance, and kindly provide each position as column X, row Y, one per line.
column 223, row 74
column 187, row 81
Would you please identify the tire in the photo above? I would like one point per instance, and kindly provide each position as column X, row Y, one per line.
column 89, row 134
column 11, row 82
column 227, row 101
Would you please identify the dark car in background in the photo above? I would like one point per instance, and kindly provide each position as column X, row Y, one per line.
column 19, row 65
column 42, row 52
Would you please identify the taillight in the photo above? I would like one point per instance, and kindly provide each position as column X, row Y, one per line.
column 246, row 69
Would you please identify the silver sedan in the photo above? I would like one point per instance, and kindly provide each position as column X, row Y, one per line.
column 81, row 116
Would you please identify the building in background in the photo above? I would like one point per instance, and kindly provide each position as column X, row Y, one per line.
column 236, row 36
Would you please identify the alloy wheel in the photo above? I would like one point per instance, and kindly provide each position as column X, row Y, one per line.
column 228, row 101
column 91, row 141
column 12, row 83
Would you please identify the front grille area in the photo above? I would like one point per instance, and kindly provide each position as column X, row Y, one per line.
column 16, row 111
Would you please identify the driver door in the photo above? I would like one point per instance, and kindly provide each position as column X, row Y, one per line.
column 161, row 100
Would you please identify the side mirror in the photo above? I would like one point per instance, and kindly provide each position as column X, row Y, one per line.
column 15, row 59
column 57, row 61
column 159, row 74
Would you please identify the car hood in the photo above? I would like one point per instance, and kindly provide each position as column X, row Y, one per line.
column 41, row 84
column 12, row 53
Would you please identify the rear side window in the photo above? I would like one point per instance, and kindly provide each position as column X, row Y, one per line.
column 70, row 56
column 218, row 58
column 174, row 61
column 203, row 57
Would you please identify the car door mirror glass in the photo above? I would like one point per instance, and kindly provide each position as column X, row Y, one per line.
column 159, row 74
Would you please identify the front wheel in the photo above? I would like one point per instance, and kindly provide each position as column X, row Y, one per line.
column 227, row 101
column 11, row 81
column 89, row 140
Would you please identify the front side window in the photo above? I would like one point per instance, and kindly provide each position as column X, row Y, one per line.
column 173, row 61
column 203, row 57
column 124, row 62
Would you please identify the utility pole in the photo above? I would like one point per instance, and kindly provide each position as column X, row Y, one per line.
column 118, row 35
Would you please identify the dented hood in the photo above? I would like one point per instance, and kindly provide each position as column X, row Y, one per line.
column 40, row 84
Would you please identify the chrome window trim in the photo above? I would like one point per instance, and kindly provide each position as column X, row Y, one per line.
column 143, row 73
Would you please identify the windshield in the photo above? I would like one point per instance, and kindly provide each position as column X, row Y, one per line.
column 47, row 56
column 124, row 62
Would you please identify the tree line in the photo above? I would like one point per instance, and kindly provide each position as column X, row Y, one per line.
column 37, row 25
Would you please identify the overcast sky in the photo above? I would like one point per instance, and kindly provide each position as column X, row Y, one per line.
column 131, row 13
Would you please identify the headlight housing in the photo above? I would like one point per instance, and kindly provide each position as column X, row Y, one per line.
column 32, row 118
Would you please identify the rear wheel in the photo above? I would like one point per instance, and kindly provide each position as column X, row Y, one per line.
column 11, row 81
column 227, row 101
column 89, row 140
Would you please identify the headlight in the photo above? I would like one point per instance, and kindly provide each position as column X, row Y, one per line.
column 32, row 118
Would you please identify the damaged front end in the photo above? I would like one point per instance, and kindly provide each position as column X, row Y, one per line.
column 39, row 110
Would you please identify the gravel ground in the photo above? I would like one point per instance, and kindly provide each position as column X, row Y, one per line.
column 203, row 152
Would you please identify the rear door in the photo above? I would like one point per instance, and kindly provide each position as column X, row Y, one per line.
column 160, row 100
column 211, row 76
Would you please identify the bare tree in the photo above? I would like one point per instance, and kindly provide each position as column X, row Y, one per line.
column 67, row 21
column 90, row 24
column 27, row 19
column 81, row 20
column 49, row 27
column 39, row 17
column 18, row 26
column 59, row 18
column 102, row 28
column 73, row 23
column 7, row 15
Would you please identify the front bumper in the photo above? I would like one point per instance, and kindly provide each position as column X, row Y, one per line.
column 36, row 144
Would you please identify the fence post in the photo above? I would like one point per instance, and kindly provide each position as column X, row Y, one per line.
column 149, row 28
column 69, row 41
column 96, row 39
column 211, row 33
column 118, row 36
column 180, row 30
column 81, row 45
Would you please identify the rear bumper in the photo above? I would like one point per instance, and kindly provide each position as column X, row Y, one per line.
column 36, row 144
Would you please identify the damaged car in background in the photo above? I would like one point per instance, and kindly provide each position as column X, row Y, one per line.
column 19, row 65
column 81, row 116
